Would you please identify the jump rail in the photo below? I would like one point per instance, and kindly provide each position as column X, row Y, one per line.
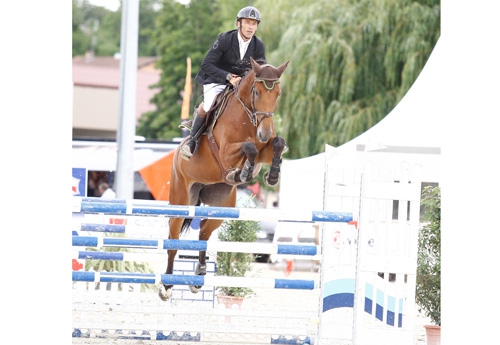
column 163, row 208
column 195, row 245
column 151, row 278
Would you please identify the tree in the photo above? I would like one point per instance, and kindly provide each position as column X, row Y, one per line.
column 85, row 23
column 351, row 63
column 98, row 29
column 109, row 34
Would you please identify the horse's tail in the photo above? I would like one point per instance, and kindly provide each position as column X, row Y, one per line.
column 187, row 222
column 185, row 225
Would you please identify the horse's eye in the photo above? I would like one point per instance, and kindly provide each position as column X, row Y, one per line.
column 257, row 94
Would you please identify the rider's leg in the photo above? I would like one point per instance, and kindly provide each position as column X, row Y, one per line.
column 210, row 91
column 196, row 130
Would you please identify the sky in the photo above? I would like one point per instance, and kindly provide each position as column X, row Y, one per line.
column 113, row 5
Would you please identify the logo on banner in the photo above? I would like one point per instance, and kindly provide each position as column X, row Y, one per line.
column 79, row 182
column 75, row 187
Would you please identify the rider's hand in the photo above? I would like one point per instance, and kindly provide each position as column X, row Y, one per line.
column 235, row 79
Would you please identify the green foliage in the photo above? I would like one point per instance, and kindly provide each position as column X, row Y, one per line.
column 120, row 266
column 108, row 34
column 428, row 290
column 236, row 264
column 85, row 22
column 99, row 29
column 228, row 10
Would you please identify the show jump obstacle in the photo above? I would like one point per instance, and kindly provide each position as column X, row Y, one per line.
column 366, row 285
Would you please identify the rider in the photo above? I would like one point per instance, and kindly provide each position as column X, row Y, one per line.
column 226, row 62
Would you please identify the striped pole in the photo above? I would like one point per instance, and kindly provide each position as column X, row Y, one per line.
column 196, row 280
column 195, row 245
column 108, row 228
column 156, row 207
column 119, row 256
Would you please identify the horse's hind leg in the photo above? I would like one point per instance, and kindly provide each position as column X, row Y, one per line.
column 271, row 177
column 207, row 226
column 165, row 291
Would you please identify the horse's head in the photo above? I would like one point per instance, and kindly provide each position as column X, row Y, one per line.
column 264, row 93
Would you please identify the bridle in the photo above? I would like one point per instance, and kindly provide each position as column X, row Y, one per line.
column 252, row 114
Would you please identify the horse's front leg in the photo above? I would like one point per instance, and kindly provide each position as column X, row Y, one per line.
column 272, row 177
column 246, row 173
column 165, row 291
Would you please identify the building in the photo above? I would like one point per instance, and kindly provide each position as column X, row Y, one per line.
column 96, row 96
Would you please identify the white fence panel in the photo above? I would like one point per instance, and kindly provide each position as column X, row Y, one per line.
column 369, row 289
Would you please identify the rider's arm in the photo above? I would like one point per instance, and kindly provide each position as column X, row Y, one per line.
column 218, row 58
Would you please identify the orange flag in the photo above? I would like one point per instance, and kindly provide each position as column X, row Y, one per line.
column 157, row 176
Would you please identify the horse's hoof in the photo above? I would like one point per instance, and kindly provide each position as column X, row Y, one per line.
column 194, row 289
column 201, row 270
column 268, row 181
column 165, row 293
column 231, row 176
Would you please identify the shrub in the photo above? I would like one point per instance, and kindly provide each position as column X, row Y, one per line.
column 428, row 287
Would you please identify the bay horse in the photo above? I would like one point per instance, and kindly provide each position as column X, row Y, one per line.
column 236, row 144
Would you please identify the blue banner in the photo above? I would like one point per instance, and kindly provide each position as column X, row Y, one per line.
column 79, row 184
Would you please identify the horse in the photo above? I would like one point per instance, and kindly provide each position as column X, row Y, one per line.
column 239, row 139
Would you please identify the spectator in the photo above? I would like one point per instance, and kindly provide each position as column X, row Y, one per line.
column 106, row 191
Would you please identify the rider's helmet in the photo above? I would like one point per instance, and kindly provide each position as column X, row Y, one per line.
column 249, row 12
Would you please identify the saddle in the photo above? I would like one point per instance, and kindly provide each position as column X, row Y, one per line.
column 214, row 112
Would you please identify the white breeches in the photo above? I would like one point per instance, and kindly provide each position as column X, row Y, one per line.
column 210, row 91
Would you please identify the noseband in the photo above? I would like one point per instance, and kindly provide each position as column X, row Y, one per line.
column 269, row 84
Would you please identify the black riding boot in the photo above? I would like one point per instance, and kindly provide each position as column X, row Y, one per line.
column 197, row 129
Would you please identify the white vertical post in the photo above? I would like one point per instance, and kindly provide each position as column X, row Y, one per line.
column 124, row 179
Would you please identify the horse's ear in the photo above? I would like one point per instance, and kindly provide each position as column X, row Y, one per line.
column 282, row 68
column 255, row 66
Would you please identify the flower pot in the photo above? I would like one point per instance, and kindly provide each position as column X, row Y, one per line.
column 433, row 334
column 228, row 301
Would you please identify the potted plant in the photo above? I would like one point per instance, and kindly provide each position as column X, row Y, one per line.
column 428, row 285
column 235, row 264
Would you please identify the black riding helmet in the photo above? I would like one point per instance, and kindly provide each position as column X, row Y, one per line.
column 249, row 12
